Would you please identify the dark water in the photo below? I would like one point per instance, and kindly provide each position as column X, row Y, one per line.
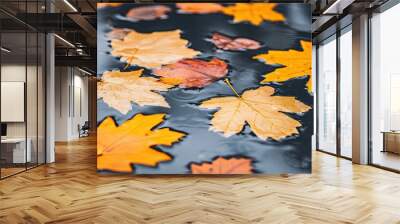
column 290, row 155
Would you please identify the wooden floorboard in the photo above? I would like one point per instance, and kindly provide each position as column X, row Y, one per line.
column 70, row 191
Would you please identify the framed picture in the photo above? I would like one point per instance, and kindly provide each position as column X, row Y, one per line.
column 204, row 88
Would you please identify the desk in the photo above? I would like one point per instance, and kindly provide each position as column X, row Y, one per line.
column 391, row 141
column 18, row 149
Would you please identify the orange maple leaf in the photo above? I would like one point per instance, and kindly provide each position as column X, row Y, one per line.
column 223, row 166
column 297, row 64
column 260, row 109
column 255, row 13
column 117, row 33
column 119, row 89
column 151, row 50
column 102, row 5
column 119, row 147
column 199, row 8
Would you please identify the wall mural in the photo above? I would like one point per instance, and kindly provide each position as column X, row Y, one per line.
column 204, row 88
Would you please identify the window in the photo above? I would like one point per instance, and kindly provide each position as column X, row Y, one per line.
column 346, row 93
column 327, row 96
column 385, row 89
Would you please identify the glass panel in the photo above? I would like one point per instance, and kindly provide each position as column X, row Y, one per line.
column 22, row 88
column 32, row 87
column 13, row 93
column 346, row 94
column 41, row 99
column 314, row 85
column 385, row 84
column 31, row 99
column 327, row 96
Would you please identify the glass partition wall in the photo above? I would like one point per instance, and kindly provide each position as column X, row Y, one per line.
column 385, row 89
column 327, row 96
column 345, row 92
column 22, row 77
column 334, row 94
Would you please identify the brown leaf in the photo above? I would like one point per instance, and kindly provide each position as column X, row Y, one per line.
column 297, row 64
column 190, row 73
column 255, row 13
column 223, row 166
column 151, row 50
column 258, row 108
column 234, row 44
column 118, row 147
column 148, row 13
column 199, row 8
column 119, row 89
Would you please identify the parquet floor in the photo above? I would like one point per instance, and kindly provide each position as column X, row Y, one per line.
column 70, row 191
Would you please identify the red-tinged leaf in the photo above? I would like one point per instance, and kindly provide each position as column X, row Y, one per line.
column 189, row 73
column 148, row 13
column 223, row 166
column 234, row 44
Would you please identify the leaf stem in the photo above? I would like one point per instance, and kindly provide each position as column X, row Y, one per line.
column 231, row 86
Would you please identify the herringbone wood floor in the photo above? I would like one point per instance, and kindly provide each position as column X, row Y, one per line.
column 70, row 191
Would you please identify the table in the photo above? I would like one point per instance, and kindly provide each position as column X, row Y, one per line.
column 18, row 150
column 391, row 141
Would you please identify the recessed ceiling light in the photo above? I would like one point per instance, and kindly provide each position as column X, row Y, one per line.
column 5, row 50
column 84, row 71
column 64, row 40
column 70, row 5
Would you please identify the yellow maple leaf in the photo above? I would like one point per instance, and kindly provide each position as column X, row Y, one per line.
column 151, row 50
column 119, row 89
column 258, row 108
column 255, row 13
column 118, row 147
column 297, row 64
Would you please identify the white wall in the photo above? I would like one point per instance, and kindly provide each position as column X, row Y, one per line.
column 15, row 73
column 71, row 102
column 33, row 126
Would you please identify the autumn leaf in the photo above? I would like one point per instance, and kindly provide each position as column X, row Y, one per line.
column 223, row 166
column 119, row 89
column 297, row 64
column 118, row 147
column 255, row 13
column 148, row 13
column 151, row 50
column 103, row 5
column 118, row 33
column 258, row 108
column 234, row 44
column 199, row 8
column 190, row 73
